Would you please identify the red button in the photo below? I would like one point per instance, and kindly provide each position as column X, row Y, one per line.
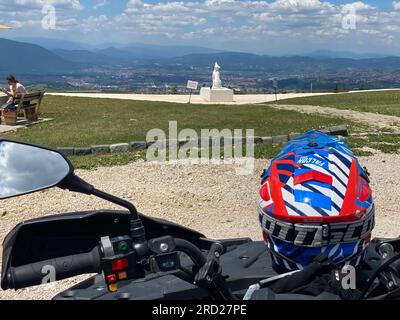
column 120, row 264
column 111, row 278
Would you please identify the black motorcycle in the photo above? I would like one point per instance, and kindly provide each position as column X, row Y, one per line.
column 138, row 257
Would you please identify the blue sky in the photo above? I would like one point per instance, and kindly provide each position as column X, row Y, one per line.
column 260, row 26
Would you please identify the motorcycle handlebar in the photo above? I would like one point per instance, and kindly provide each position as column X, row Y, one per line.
column 53, row 270
column 191, row 250
column 69, row 266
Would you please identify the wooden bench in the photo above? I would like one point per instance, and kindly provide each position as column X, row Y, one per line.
column 29, row 104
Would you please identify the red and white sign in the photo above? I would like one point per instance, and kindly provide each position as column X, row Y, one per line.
column 192, row 85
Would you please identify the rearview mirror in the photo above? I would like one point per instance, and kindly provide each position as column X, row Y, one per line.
column 25, row 168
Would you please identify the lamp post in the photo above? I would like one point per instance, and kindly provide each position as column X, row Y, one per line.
column 275, row 86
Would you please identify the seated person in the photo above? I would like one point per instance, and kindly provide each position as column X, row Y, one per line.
column 16, row 88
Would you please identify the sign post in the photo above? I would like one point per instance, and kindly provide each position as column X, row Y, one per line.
column 275, row 86
column 191, row 85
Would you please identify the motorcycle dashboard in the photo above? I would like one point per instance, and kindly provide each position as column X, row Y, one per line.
column 61, row 235
column 77, row 232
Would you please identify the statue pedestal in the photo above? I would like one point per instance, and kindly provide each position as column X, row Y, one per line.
column 216, row 95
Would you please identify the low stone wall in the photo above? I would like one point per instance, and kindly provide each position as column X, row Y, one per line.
column 143, row 145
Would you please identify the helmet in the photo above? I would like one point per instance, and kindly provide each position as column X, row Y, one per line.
column 315, row 199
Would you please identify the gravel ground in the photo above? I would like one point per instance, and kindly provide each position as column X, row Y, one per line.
column 381, row 121
column 209, row 198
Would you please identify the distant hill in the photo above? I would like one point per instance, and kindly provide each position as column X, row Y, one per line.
column 117, row 53
column 50, row 43
column 148, row 52
column 156, row 51
column 21, row 57
column 294, row 65
column 344, row 54
column 87, row 57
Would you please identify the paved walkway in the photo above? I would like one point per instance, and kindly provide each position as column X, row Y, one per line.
column 21, row 123
column 4, row 128
column 178, row 98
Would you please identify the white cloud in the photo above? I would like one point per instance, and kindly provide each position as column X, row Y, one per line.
column 218, row 2
column 94, row 24
column 99, row 3
column 358, row 6
column 257, row 22
column 298, row 5
column 74, row 4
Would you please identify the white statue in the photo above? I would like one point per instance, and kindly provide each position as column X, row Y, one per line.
column 216, row 78
column 217, row 93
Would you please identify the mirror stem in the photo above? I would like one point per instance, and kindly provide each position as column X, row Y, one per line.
column 76, row 184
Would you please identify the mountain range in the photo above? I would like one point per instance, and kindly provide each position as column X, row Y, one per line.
column 17, row 57
column 29, row 58
column 289, row 65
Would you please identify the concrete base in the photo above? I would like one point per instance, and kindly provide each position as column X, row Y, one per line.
column 216, row 95
column 21, row 123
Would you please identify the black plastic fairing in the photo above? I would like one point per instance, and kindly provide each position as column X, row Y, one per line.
column 77, row 232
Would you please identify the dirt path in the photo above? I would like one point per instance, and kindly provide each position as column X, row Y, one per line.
column 209, row 198
column 380, row 121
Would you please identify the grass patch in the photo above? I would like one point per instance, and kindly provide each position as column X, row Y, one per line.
column 385, row 143
column 362, row 153
column 384, row 102
column 93, row 161
column 356, row 142
column 81, row 122
column 90, row 162
column 266, row 150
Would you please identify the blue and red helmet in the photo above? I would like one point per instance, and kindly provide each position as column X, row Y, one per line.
column 315, row 198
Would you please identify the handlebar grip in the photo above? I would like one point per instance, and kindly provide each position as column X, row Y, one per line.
column 54, row 269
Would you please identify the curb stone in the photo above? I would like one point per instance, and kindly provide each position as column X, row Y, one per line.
column 192, row 142
column 294, row 135
column 105, row 148
column 340, row 130
column 138, row 145
column 266, row 139
column 66, row 151
column 280, row 139
column 258, row 139
column 119, row 147
column 150, row 143
column 82, row 151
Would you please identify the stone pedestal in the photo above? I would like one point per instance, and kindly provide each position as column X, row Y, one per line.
column 216, row 95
